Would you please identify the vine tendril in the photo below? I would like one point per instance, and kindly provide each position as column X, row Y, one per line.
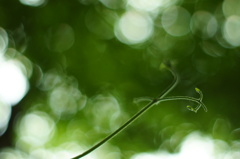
column 153, row 101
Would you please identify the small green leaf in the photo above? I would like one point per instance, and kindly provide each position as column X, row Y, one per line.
column 191, row 109
column 197, row 90
column 200, row 93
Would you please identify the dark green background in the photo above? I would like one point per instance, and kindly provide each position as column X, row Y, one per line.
column 100, row 66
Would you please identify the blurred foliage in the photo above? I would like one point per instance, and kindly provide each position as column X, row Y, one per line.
column 86, row 60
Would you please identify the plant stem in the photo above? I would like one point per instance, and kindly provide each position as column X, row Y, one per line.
column 138, row 114
column 198, row 101
column 154, row 101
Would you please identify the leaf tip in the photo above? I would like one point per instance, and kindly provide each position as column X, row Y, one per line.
column 191, row 109
column 197, row 90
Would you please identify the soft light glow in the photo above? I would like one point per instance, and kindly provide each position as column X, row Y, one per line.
column 176, row 20
column 105, row 105
column 3, row 41
column 69, row 150
column 5, row 113
column 231, row 7
column 49, row 80
column 231, row 31
column 163, row 155
column 66, row 100
column 196, row 146
column 42, row 153
column 145, row 5
column 204, row 24
column 150, row 5
column 134, row 27
column 9, row 153
column 33, row 3
column 35, row 128
column 13, row 82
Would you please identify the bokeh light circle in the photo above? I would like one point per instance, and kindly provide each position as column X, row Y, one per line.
column 145, row 5
column 12, row 92
column 134, row 27
column 108, row 105
column 176, row 20
column 35, row 128
column 65, row 100
column 231, row 31
column 204, row 24
column 33, row 3
column 231, row 7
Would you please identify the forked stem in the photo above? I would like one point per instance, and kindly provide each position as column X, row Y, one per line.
column 158, row 99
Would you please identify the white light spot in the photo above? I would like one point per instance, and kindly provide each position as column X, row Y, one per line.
column 134, row 28
column 33, row 3
column 175, row 21
column 150, row 5
column 163, row 155
column 65, row 100
column 13, row 82
column 42, row 153
column 62, row 101
column 231, row 31
column 36, row 128
column 196, row 144
column 145, row 5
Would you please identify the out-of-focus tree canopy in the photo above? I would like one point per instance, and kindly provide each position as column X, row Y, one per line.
column 70, row 70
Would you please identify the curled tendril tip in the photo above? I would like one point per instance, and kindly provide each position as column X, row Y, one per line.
column 152, row 102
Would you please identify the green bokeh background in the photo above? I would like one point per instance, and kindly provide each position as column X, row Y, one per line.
column 72, row 45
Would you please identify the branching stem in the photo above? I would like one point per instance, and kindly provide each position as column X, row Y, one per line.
column 154, row 101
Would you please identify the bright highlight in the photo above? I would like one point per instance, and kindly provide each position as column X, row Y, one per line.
column 33, row 3
column 13, row 83
column 134, row 27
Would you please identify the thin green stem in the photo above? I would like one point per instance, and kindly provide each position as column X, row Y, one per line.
column 196, row 100
column 133, row 118
column 171, row 86
column 160, row 98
